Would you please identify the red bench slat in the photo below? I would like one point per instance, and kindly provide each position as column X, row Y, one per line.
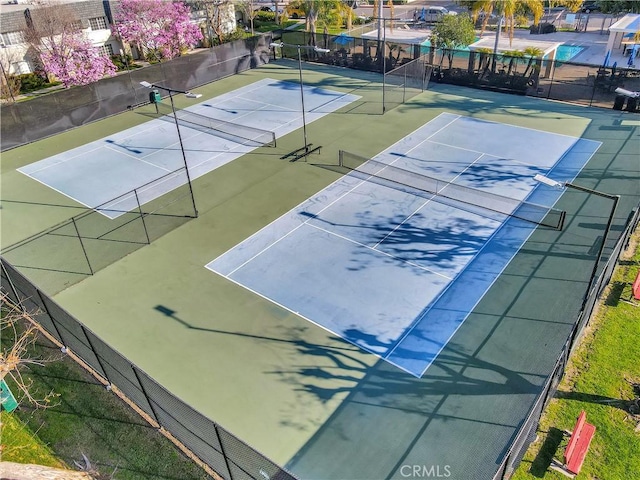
column 578, row 444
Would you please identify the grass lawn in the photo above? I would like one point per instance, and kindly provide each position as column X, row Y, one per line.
column 602, row 378
column 20, row 445
column 89, row 420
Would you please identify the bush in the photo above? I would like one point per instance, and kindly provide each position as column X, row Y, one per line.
column 542, row 28
column 359, row 20
column 265, row 17
column 120, row 63
column 11, row 88
column 30, row 82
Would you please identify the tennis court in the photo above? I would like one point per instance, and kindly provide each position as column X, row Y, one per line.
column 213, row 133
column 351, row 387
column 381, row 266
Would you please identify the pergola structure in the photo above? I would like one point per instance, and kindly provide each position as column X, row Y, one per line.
column 624, row 33
column 548, row 49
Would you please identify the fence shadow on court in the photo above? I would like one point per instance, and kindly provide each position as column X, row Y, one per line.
column 74, row 249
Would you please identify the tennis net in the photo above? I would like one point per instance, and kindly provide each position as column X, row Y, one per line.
column 418, row 184
column 248, row 135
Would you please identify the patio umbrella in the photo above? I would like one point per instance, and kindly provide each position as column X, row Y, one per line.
column 342, row 39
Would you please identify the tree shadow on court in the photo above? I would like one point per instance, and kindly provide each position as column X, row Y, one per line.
column 410, row 241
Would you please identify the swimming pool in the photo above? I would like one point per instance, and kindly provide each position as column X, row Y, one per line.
column 567, row 52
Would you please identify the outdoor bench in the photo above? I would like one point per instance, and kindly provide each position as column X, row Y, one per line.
column 576, row 450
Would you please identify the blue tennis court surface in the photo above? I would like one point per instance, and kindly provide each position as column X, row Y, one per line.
column 396, row 273
column 107, row 169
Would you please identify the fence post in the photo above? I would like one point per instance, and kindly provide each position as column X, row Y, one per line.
column 13, row 287
column 146, row 395
column 53, row 320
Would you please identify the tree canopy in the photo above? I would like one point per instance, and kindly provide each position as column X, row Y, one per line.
column 453, row 32
column 55, row 34
column 160, row 29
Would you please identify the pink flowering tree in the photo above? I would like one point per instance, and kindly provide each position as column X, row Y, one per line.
column 53, row 33
column 159, row 28
column 75, row 61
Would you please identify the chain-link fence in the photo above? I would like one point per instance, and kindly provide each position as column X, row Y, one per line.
column 226, row 454
column 89, row 241
column 61, row 110
column 579, row 83
column 527, row 432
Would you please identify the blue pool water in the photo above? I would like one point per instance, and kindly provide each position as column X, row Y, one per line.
column 567, row 52
column 564, row 53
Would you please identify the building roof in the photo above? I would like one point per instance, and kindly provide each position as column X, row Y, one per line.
column 519, row 44
column 401, row 35
column 630, row 23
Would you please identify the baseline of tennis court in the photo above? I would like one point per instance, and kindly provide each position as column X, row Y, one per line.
column 113, row 166
column 397, row 273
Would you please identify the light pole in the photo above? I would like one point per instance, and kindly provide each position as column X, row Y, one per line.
column 306, row 150
column 175, row 118
column 615, row 198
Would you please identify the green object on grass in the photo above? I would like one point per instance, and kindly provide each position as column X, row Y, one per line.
column 9, row 402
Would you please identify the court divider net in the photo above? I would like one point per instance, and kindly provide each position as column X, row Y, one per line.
column 415, row 183
column 248, row 135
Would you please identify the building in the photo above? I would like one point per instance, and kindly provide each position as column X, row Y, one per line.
column 95, row 18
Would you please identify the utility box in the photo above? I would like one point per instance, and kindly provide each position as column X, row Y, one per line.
column 154, row 96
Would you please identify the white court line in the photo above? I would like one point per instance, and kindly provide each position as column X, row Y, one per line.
column 262, row 251
column 59, row 191
column 449, row 286
column 304, row 222
column 403, row 260
column 138, row 159
column 62, row 160
column 319, row 325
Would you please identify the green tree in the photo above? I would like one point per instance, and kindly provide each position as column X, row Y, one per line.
column 507, row 11
column 616, row 7
column 451, row 33
column 512, row 56
column 532, row 53
column 318, row 12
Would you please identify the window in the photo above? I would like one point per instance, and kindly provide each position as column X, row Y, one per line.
column 98, row 23
column 106, row 50
column 18, row 68
column 12, row 38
